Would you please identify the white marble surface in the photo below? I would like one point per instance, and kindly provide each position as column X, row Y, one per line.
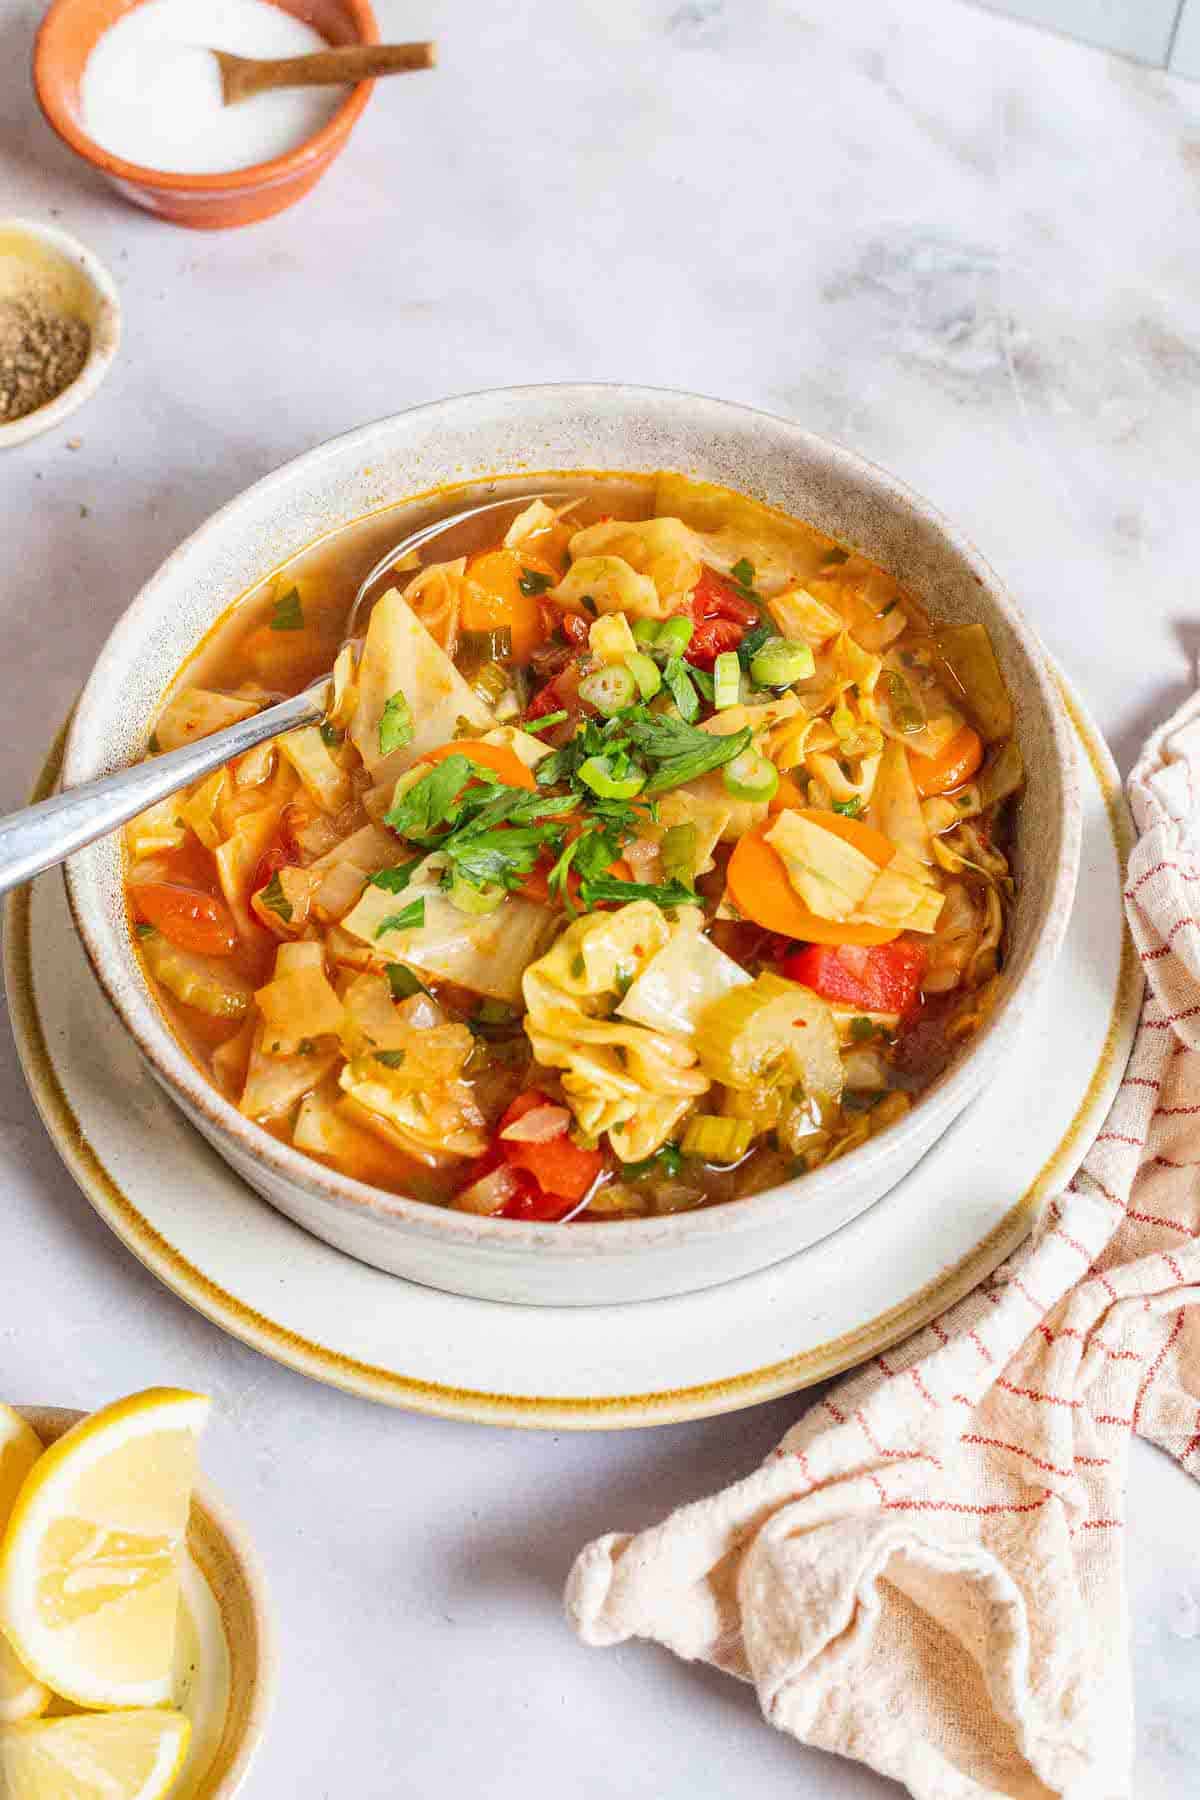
column 963, row 247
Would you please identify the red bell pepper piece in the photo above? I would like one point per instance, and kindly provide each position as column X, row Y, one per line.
column 881, row 978
column 715, row 598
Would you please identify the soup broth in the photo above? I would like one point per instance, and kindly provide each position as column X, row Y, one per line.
column 653, row 851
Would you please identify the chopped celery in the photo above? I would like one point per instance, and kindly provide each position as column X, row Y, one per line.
column 646, row 631
column 490, row 683
column 750, row 776
column 609, row 689
column 599, row 774
column 644, row 671
column 727, row 677
column 717, row 1140
column 780, row 662
column 674, row 635
column 477, row 647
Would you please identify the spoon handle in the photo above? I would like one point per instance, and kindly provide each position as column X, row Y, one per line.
column 40, row 836
column 243, row 76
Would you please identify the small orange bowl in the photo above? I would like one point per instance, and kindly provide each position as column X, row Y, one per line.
column 67, row 38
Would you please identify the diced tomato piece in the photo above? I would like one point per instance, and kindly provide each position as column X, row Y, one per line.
column 709, row 639
column 715, row 598
column 882, row 978
column 190, row 919
column 575, row 628
column 560, row 1168
column 531, row 1204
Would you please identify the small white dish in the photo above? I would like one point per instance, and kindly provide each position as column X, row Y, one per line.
column 938, row 1233
column 80, row 286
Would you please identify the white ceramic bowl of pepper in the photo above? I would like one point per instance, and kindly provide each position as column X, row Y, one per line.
column 60, row 326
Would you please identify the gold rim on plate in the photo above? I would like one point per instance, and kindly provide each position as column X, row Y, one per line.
column 550, row 1411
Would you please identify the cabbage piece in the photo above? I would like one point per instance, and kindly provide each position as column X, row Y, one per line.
column 678, row 982
column 619, row 1078
column 762, row 717
column 207, row 983
column 528, row 749
column 275, row 1083
column 199, row 809
column 195, row 713
column 663, row 549
column 830, row 782
column 343, row 692
column 371, row 847
column 487, row 954
column 782, row 551
column 941, row 719
column 896, row 806
column 772, row 1033
column 400, row 656
column 967, row 660
column 283, row 905
column 373, row 1020
column 611, row 586
column 1004, row 774
column 830, row 875
column 801, row 615
column 436, row 597
column 159, row 828
column 231, row 1059
column 900, row 899
column 323, row 777
column 300, row 1004
column 707, row 805
column 536, row 517
column 237, row 861
column 436, row 1125
column 610, row 640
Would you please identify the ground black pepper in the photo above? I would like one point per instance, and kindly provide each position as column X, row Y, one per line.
column 41, row 353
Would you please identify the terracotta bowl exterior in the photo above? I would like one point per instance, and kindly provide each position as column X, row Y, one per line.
column 205, row 202
column 221, row 1551
column 472, row 443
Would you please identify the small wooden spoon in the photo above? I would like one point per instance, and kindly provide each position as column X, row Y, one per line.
column 244, row 76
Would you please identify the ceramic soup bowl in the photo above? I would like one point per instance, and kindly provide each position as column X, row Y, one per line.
column 512, row 433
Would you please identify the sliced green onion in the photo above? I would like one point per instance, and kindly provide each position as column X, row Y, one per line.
column 750, row 776
column 677, row 679
column 677, row 853
column 646, row 630
column 533, row 726
column 609, row 689
column 598, row 774
column 475, row 900
column 645, row 672
column 780, row 662
column 674, row 635
column 717, row 1140
column 727, row 680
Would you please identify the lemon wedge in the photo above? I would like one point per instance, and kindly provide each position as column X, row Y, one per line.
column 22, row 1696
column 101, row 1756
column 89, row 1562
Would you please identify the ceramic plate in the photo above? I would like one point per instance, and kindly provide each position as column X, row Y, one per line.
column 927, row 1242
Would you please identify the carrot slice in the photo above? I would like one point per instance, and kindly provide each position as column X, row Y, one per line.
column 503, row 763
column 955, row 763
column 758, row 884
column 194, row 921
column 497, row 597
column 789, row 793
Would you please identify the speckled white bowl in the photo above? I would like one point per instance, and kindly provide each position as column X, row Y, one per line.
column 511, row 433
column 81, row 285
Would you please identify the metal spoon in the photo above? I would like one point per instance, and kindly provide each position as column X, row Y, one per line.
column 39, row 836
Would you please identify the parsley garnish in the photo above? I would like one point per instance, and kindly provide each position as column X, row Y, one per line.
column 861, row 1029
column 396, row 725
column 743, row 572
column 752, row 643
column 608, row 887
column 428, row 801
column 394, row 881
column 407, row 919
column 288, row 614
column 154, row 746
column 274, row 897
column 531, row 582
column 391, row 1059
column 403, row 983
column 666, row 1161
column 331, row 737
column 675, row 679
column 849, row 809
column 143, row 931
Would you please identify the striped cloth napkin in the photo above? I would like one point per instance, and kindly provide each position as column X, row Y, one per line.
column 927, row 1574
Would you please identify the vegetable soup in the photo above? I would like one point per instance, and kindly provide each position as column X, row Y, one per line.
column 647, row 857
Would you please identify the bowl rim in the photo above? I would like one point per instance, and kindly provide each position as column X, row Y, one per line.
column 271, row 173
column 105, row 341
column 145, row 1021
column 50, row 1423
